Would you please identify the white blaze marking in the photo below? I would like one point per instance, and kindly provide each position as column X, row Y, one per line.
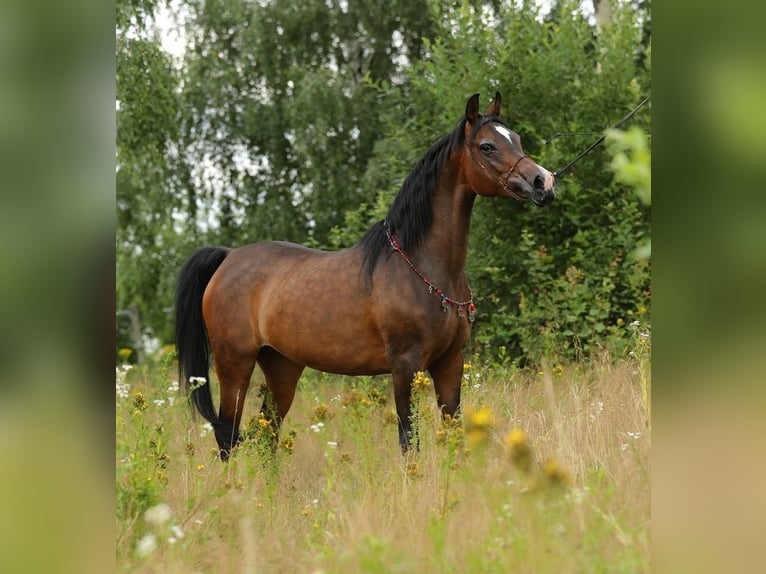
column 549, row 179
column 503, row 131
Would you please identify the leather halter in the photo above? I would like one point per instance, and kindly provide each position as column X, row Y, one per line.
column 503, row 179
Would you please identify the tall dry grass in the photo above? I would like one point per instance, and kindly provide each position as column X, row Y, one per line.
column 339, row 497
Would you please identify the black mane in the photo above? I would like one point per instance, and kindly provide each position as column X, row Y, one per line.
column 411, row 215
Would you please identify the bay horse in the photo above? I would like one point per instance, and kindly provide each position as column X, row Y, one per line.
column 396, row 302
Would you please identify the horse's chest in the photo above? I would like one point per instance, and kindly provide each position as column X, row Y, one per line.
column 450, row 331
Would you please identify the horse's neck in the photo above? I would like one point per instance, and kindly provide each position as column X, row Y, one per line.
column 446, row 244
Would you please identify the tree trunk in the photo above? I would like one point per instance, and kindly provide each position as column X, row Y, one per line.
column 135, row 332
column 603, row 13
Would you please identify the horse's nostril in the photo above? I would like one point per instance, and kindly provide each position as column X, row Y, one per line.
column 539, row 182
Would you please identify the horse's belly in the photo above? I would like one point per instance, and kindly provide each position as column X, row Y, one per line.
column 326, row 333
column 339, row 354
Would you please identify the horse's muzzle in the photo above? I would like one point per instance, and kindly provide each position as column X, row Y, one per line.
column 543, row 189
column 542, row 196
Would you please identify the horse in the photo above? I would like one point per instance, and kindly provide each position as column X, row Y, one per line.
column 396, row 302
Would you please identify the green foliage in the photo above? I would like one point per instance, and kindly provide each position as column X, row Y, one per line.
column 632, row 165
column 299, row 121
column 563, row 277
column 147, row 130
column 631, row 162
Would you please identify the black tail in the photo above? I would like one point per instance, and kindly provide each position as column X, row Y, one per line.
column 192, row 344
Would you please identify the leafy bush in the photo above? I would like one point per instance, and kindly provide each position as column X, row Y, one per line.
column 564, row 277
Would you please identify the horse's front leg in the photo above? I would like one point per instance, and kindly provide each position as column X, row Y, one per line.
column 447, row 374
column 403, row 371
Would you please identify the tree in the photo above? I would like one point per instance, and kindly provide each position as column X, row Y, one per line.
column 279, row 100
column 299, row 121
column 147, row 132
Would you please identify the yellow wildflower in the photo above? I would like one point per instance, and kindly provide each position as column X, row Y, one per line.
column 320, row 412
column 481, row 419
column 139, row 401
column 518, row 444
column 353, row 398
column 478, row 425
column 515, row 438
column 420, row 381
column 556, row 475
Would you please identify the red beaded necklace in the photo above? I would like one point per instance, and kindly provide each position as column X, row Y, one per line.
column 431, row 287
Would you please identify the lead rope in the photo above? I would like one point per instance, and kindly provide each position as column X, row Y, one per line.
column 566, row 168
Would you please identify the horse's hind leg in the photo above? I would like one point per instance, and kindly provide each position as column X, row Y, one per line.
column 234, row 373
column 282, row 376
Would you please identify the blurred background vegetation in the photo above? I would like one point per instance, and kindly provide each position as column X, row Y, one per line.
column 299, row 121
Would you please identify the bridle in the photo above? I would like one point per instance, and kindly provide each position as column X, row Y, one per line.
column 504, row 177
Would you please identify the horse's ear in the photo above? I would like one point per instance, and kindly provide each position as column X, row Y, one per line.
column 495, row 106
column 472, row 109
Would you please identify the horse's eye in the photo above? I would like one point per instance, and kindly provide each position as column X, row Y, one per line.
column 487, row 148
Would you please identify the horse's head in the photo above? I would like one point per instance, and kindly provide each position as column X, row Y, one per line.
column 496, row 164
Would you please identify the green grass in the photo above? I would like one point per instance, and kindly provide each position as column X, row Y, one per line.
column 339, row 496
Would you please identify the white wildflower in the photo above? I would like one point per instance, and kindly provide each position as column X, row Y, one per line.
column 146, row 545
column 316, row 427
column 157, row 514
column 123, row 387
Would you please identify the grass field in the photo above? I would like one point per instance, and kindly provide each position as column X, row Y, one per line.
column 548, row 472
